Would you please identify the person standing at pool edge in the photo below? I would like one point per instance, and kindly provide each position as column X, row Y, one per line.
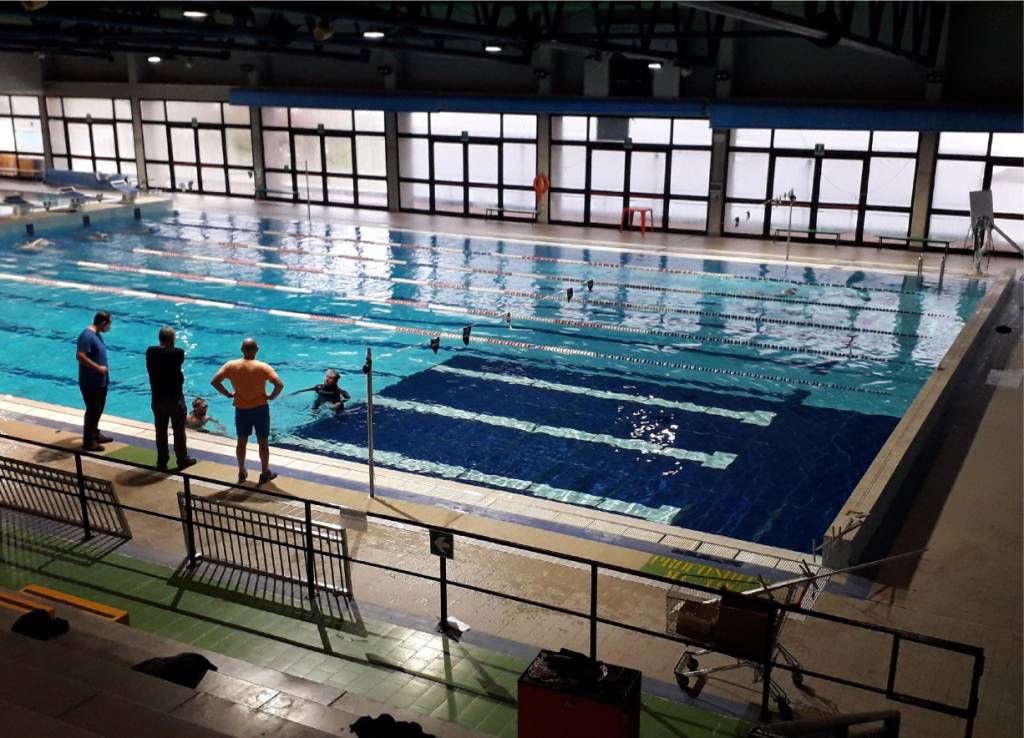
column 163, row 364
column 249, row 379
column 93, row 378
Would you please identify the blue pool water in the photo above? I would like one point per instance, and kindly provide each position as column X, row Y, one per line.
column 735, row 398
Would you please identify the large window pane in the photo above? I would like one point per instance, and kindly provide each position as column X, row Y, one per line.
column 905, row 141
column 7, row 141
column 152, row 109
column 211, row 149
column 448, row 162
column 690, row 132
column 307, row 154
column 239, row 143
column 781, row 215
column 236, row 115
column 483, row 164
column 275, row 117
column 953, row 181
column 840, row 181
column 339, row 154
column 241, row 182
column 370, row 156
column 567, row 207
column 569, row 166
column 1008, row 144
column 481, row 198
column 607, row 172
column 154, row 139
column 519, row 126
column 1008, row 189
column 414, row 196
column 340, row 120
column 276, row 150
column 82, row 107
column 891, row 182
column 687, row 215
column 126, row 140
column 449, row 198
column 519, row 163
column 341, row 190
column 793, row 174
column 159, row 176
column 214, row 180
column 414, row 123
column 78, row 137
column 414, row 158
column 842, row 221
column 103, row 140
column 885, row 224
column 650, row 130
column 57, row 141
column 280, row 185
column 647, row 172
column 758, row 138
column 25, row 105
column 568, row 128
column 744, row 218
column 183, row 145
column 186, row 178
column 963, row 143
column 748, row 175
column 369, row 121
column 180, row 111
column 691, row 172
column 373, row 193
column 28, row 136
column 951, row 227
column 475, row 124
column 605, row 209
column 833, row 140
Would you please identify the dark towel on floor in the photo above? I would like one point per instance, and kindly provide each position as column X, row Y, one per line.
column 39, row 625
column 386, row 726
column 186, row 669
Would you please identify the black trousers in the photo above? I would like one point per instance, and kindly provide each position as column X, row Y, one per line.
column 95, row 400
column 174, row 411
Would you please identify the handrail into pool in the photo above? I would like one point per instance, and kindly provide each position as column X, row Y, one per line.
column 977, row 654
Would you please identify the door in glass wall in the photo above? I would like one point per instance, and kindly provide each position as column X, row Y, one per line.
column 838, row 197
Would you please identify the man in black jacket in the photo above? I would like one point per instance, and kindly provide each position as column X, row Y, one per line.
column 164, row 362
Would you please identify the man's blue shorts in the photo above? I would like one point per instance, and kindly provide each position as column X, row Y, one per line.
column 253, row 418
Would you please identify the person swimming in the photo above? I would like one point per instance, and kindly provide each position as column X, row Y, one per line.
column 329, row 393
column 98, row 236
column 199, row 417
column 37, row 244
column 789, row 292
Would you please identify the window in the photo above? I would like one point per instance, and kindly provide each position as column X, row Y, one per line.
column 467, row 163
column 599, row 165
column 21, row 137
column 92, row 134
column 198, row 147
column 328, row 156
column 856, row 183
column 978, row 161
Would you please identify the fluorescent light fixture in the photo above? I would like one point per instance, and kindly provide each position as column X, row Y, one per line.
column 492, row 49
column 654, row 65
column 194, row 14
column 153, row 60
column 373, row 35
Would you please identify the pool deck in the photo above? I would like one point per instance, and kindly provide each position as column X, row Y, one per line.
column 966, row 586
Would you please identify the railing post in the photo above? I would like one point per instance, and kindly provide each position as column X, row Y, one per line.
column 444, row 590
column 593, row 611
column 972, row 702
column 190, row 537
column 81, row 496
column 368, row 371
column 310, row 573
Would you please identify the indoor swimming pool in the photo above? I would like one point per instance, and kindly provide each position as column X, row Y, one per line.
column 730, row 397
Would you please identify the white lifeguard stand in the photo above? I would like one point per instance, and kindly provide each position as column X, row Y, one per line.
column 982, row 225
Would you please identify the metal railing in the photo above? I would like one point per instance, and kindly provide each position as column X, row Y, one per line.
column 592, row 615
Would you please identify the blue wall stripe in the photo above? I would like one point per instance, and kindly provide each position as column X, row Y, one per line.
column 722, row 114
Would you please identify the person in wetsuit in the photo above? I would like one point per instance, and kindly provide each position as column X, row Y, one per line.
column 329, row 394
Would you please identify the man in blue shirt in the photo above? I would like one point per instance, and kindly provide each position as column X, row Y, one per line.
column 93, row 377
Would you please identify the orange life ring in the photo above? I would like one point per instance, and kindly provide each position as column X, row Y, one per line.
column 541, row 184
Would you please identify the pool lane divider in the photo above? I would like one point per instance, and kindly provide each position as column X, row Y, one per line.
column 191, row 277
column 477, row 337
column 558, row 278
column 549, row 259
column 538, row 296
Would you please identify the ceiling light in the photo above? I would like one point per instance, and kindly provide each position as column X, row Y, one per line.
column 492, row 49
column 373, row 35
column 194, row 14
column 654, row 65
column 153, row 60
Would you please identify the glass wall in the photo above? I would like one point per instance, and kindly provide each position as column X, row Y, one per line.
column 465, row 163
column 21, row 137
column 334, row 157
column 92, row 134
column 978, row 161
column 600, row 165
column 859, row 184
column 198, row 147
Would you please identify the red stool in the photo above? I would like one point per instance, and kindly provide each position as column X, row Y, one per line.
column 627, row 216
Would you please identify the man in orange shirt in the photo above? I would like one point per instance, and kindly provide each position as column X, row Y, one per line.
column 249, row 379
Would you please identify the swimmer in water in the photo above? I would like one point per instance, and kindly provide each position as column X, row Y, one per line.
column 329, row 394
column 37, row 244
column 198, row 418
column 789, row 292
column 99, row 236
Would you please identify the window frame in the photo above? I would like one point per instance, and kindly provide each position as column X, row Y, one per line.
column 67, row 121
column 20, row 172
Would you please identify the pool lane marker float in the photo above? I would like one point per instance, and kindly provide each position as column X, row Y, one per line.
column 549, row 259
column 762, row 418
column 716, row 460
column 570, row 280
column 505, row 316
column 539, row 296
column 479, row 338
